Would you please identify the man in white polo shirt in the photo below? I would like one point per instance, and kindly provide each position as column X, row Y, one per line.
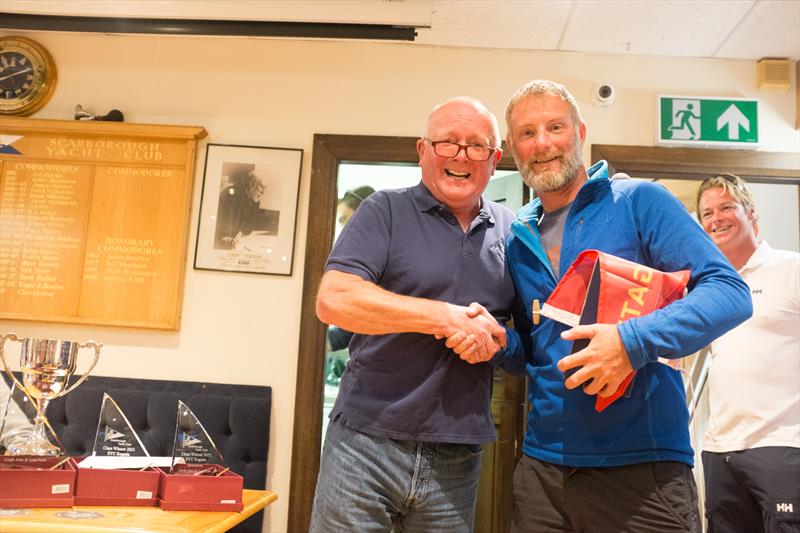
column 751, row 456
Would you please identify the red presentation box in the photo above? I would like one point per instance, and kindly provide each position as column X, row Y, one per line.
column 36, row 481
column 200, row 487
column 98, row 486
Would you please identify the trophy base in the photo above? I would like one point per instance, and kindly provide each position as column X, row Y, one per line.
column 35, row 447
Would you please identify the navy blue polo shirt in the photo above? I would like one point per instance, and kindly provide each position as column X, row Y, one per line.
column 410, row 386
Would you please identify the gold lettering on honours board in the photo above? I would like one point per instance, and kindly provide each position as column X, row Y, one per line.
column 149, row 172
column 122, row 260
column 130, row 246
column 97, row 148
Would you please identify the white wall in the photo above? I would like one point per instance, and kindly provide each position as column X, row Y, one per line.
column 240, row 328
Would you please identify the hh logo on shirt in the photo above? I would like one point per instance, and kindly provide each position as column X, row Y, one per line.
column 784, row 508
column 499, row 248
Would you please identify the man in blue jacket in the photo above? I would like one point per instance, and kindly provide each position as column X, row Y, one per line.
column 627, row 468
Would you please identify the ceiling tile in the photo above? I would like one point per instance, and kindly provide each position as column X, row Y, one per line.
column 498, row 24
column 737, row 29
column 771, row 29
column 668, row 28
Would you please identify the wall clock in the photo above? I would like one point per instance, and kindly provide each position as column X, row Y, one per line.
column 27, row 76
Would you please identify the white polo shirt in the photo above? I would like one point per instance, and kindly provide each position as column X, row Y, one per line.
column 754, row 381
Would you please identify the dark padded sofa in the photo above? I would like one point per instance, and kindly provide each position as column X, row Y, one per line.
column 236, row 416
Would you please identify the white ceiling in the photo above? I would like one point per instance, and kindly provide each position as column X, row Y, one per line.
column 735, row 29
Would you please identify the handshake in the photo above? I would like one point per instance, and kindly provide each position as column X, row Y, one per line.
column 473, row 333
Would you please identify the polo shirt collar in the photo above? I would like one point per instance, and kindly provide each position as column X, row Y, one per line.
column 426, row 201
column 760, row 256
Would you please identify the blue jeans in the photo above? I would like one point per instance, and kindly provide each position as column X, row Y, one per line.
column 371, row 484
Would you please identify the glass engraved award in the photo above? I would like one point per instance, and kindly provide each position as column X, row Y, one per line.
column 115, row 437
column 193, row 444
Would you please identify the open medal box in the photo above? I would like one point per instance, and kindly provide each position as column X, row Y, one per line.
column 125, row 487
column 200, row 487
column 36, row 481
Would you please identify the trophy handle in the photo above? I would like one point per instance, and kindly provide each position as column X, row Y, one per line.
column 87, row 344
column 3, row 339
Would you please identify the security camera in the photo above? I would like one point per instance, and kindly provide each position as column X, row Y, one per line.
column 603, row 94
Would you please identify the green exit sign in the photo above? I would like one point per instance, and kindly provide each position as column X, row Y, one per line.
column 703, row 121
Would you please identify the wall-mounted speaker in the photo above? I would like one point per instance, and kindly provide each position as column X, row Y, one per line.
column 774, row 74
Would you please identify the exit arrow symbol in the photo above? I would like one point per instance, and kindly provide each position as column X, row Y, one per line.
column 734, row 119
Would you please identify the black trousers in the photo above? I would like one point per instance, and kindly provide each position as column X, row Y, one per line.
column 658, row 497
column 754, row 490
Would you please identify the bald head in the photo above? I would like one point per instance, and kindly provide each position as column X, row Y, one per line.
column 440, row 114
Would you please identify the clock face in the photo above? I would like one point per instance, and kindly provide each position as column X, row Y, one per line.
column 27, row 76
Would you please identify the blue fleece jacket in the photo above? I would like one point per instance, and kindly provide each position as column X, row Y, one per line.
column 642, row 222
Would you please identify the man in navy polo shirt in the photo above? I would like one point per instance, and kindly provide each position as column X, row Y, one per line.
column 403, row 447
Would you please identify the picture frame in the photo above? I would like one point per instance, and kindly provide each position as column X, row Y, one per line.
column 248, row 209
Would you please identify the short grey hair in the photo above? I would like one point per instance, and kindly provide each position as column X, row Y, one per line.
column 477, row 104
column 540, row 88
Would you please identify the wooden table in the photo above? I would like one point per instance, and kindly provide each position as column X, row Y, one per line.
column 82, row 519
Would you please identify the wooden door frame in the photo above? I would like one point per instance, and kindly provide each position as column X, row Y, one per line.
column 328, row 152
column 692, row 163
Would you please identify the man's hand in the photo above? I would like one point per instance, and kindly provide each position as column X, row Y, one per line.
column 480, row 339
column 230, row 242
column 604, row 360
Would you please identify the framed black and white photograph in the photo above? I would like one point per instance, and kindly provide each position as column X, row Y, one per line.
column 248, row 209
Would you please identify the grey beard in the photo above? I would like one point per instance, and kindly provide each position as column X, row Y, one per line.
column 552, row 180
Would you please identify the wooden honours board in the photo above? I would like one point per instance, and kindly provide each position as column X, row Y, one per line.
column 94, row 220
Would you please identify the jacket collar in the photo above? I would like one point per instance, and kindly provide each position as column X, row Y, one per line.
column 598, row 177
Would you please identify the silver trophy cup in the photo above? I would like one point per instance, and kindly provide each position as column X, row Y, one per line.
column 46, row 368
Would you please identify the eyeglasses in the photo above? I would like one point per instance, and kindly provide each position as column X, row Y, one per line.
column 474, row 152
